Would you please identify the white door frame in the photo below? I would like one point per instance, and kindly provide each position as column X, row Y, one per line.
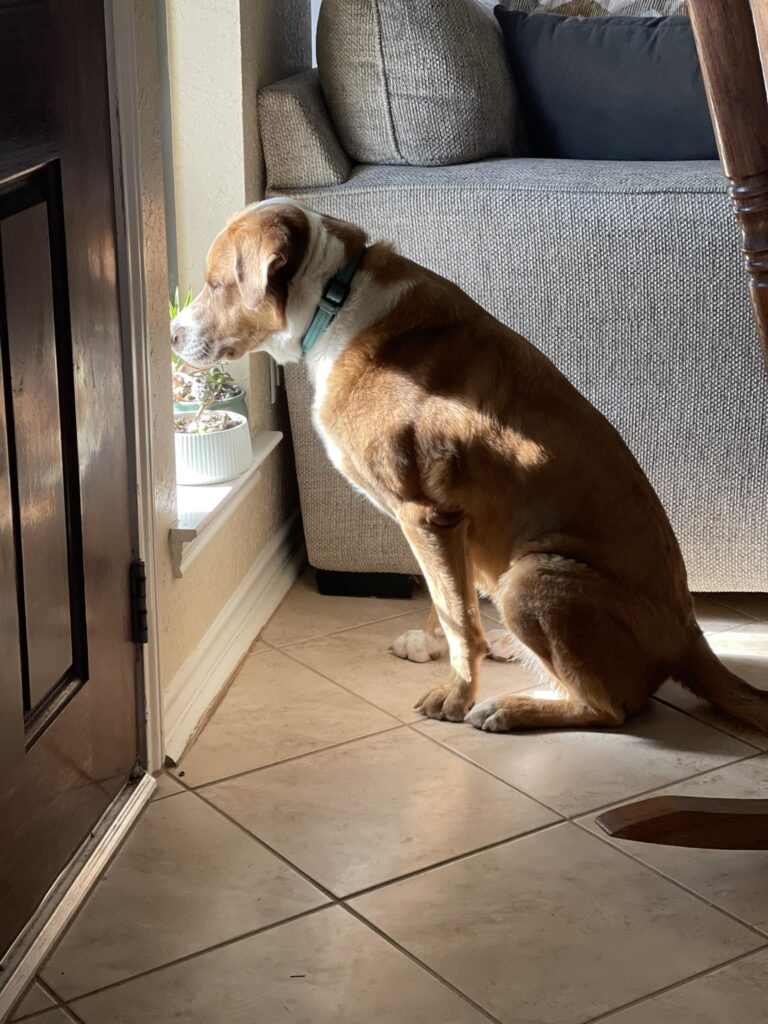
column 123, row 74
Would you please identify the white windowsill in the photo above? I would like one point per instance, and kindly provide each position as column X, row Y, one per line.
column 205, row 508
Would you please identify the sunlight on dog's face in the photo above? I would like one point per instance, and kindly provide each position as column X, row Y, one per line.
column 247, row 273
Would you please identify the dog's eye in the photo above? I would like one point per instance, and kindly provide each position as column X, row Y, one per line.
column 215, row 286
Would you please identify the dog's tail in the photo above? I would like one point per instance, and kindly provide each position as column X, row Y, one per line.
column 703, row 673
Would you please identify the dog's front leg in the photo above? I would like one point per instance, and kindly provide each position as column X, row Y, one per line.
column 441, row 551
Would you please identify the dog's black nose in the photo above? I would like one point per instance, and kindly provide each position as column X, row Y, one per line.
column 178, row 337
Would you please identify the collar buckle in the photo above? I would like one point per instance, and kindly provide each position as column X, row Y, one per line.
column 334, row 296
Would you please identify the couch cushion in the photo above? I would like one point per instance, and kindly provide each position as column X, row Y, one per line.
column 300, row 146
column 415, row 83
column 609, row 88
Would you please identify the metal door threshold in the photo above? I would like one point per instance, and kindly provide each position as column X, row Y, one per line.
column 24, row 958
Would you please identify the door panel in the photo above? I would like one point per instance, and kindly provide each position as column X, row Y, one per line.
column 26, row 261
column 68, row 705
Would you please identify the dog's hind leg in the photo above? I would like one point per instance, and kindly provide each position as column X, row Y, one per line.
column 518, row 711
column 441, row 551
column 502, row 645
column 422, row 645
column 570, row 619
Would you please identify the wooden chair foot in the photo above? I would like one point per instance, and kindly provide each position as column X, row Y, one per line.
column 703, row 822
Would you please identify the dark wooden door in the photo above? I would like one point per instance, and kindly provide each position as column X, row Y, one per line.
column 68, row 721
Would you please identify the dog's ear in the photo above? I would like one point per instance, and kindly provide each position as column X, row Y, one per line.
column 263, row 247
column 254, row 264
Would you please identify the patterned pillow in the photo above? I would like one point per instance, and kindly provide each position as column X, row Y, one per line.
column 596, row 8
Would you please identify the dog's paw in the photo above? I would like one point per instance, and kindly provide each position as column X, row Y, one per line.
column 489, row 716
column 418, row 645
column 502, row 646
column 447, row 703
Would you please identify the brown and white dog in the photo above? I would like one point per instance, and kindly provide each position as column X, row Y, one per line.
column 502, row 477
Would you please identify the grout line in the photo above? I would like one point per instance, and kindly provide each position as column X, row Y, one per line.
column 48, row 988
column 58, row 1003
column 387, row 882
column 359, row 696
column 343, row 686
column 420, row 963
column 71, row 1014
column 294, row 644
column 675, row 985
column 332, row 897
column 453, row 859
column 708, row 632
column 666, row 785
column 701, row 721
column 732, row 608
column 285, row 760
column 414, row 727
column 306, row 641
column 561, row 814
column 679, row 885
column 167, row 796
column 489, row 613
column 441, row 743
column 333, row 900
column 192, row 956
column 344, row 629
column 612, row 803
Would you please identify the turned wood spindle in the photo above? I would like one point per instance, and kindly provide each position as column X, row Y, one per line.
column 727, row 42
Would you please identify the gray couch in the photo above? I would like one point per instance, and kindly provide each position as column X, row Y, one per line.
column 627, row 275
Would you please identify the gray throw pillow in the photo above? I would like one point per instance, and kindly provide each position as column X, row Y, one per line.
column 415, row 82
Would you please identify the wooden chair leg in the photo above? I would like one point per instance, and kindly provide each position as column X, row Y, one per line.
column 691, row 821
column 733, row 77
column 730, row 43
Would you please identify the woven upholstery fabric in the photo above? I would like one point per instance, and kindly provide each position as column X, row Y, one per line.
column 291, row 110
column 597, row 8
column 415, row 83
column 629, row 277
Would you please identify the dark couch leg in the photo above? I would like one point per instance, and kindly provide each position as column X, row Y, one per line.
column 364, row 584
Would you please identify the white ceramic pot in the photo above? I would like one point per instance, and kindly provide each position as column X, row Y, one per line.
column 212, row 458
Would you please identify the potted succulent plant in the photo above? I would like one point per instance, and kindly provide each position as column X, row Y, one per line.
column 211, row 434
column 213, row 386
column 211, row 446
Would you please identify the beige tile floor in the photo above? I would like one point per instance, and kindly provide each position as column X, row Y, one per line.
column 322, row 855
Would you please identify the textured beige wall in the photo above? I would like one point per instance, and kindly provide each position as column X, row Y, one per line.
column 216, row 157
column 221, row 52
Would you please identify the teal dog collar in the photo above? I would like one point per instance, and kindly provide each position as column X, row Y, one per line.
column 331, row 301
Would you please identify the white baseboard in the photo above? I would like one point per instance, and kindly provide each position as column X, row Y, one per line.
column 199, row 681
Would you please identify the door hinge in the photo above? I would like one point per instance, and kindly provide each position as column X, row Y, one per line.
column 138, row 582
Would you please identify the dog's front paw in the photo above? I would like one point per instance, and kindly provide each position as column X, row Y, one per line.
column 502, row 646
column 419, row 645
column 447, row 703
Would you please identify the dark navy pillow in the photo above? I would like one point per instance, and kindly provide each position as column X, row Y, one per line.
column 613, row 88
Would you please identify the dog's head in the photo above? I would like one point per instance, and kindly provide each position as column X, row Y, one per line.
column 247, row 276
